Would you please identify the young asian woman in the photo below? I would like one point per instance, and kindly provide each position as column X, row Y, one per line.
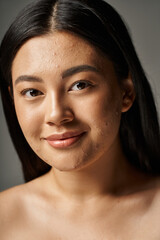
column 82, row 118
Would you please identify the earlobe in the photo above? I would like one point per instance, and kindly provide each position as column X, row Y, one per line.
column 128, row 94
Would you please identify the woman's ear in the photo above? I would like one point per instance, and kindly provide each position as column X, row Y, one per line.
column 10, row 92
column 128, row 94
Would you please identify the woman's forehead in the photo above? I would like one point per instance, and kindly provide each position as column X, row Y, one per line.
column 60, row 49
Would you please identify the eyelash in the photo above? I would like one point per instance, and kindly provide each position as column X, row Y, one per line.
column 89, row 84
column 25, row 91
column 38, row 93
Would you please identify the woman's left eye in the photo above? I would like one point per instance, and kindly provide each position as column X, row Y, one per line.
column 80, row 85
column 31, row 93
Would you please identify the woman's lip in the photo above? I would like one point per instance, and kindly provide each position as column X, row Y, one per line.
column 64, row 140
column 63, row 136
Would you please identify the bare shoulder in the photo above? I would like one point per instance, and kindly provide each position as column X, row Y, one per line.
column 16, row 208
column 11, row 205
column 152, row 200
column 9, row 198
column 12, row 200
column 156, row 196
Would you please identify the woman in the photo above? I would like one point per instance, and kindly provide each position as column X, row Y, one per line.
column 82, row 117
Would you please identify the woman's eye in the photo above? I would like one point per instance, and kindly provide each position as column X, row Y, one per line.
column 80, row 86
column 31, row 93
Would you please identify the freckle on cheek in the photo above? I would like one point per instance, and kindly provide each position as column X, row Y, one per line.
column 106, row 123
column 97, row 146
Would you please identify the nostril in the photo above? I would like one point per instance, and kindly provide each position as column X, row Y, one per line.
column 59, row 118
column 50, row 123
column 59, row 123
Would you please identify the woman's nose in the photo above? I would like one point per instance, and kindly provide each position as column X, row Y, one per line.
column 56, row 111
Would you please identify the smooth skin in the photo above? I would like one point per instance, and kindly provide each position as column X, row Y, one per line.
column 61, row 84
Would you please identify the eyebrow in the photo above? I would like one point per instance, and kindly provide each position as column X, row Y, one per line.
column 28, row 78
column 65, row 74
column 77, row 69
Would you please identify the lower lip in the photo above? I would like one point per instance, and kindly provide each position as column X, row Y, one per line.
column 64, row 143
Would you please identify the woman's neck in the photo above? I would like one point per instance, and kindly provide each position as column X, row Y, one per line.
column 108, row 175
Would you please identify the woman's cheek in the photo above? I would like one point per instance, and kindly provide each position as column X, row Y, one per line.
column 106, row 119
column 29, row 118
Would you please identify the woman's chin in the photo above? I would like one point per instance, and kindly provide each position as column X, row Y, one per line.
column 68, row 167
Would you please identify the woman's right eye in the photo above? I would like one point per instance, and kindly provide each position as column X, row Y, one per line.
column 31, row 93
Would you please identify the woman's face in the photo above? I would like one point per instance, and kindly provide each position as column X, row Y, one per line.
column 67, row 99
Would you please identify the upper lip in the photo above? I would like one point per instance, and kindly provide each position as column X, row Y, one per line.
column 64, row 135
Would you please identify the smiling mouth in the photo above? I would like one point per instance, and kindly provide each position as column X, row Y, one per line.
column 64, row 142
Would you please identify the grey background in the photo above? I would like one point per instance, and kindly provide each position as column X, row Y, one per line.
column 142, row 18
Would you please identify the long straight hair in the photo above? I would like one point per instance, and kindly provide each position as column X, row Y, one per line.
column 98, row 23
